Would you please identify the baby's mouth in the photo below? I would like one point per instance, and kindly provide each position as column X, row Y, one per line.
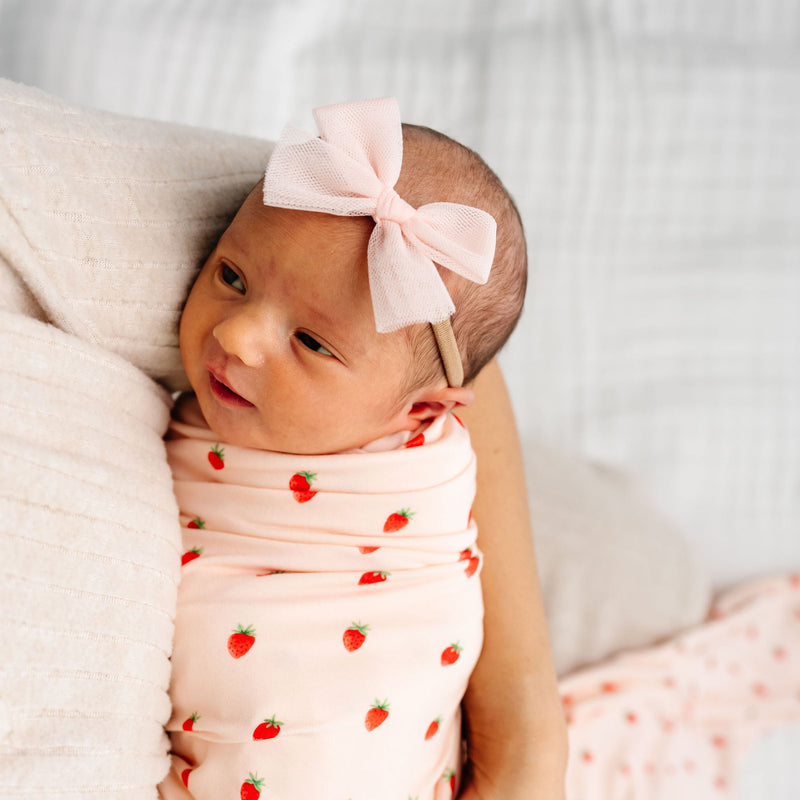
column 226, row 394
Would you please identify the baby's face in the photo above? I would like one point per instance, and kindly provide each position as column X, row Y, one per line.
column 278, row 336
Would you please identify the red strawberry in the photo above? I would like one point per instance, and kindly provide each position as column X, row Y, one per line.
column 450, row 777
column 473, row 562
column 251, row 788
column 188, row 724
column 300, row 486
column 268, row 729
column 394, row 522
column 354, row 636
column 196, row 523
column 373, row 577
column 377, row 714
column 216, row 457
column 185, row 776
column 450, row 654
column 433, row 728
column 191, row 555
column 417, row 441
column 241, row 640
column 366, row 550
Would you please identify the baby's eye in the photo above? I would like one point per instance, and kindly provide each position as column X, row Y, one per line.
column 233, row 280
column 312, row 344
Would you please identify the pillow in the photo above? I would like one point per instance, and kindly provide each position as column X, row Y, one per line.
column 615, row 573
column 103, row 223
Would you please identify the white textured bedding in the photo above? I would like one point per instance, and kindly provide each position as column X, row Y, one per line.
column 652, row 147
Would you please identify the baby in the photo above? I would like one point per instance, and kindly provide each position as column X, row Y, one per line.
column 330, row 610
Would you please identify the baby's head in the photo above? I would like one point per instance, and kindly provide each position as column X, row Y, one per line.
column 279, row 338
column 437, row 169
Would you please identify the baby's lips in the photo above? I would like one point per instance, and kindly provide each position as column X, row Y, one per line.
column 221, row 387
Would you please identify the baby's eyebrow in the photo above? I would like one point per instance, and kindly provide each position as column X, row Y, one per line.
column 230, row 239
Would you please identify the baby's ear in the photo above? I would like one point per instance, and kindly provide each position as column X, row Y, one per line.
column 432, row 402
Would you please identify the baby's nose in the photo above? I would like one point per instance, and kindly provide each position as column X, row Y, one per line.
column 245, row 336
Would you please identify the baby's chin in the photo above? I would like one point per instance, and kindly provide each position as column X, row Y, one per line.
column 287, row 442
column 243, row 427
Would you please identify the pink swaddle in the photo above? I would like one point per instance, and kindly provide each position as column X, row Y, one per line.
column 329, row 617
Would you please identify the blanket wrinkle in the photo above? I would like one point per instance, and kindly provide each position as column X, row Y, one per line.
column 675, row 720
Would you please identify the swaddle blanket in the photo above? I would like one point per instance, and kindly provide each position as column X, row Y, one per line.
column 329, row 616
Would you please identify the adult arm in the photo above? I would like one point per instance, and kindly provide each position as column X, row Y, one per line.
column 516, row 730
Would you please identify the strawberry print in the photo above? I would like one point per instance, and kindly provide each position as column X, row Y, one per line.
column 188, row 724
column 433, row 728
column 373, row 577
column 376, row 715
column 354, row 636
column 450, row 654
column 450, row 777
column 216, row 457
column 300, row 486
column 251, row 788
column 398, row 520
column 191, row 555
column 417, row 441
column 472, row 562
column 185, row 776
column 268, row 729
column 197, row 524
column 241, row 640
column 366, row 550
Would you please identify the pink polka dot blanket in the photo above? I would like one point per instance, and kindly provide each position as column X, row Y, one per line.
column 329, row 616
column 674, row 721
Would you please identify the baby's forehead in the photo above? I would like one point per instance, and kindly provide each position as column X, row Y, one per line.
column 332, row 267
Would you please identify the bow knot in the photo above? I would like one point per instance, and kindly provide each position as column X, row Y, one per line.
column 392, row 208
column 351, row 170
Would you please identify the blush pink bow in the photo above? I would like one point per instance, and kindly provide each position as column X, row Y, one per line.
column 351, row 170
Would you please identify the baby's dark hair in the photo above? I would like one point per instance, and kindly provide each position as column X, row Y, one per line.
column 436, row 168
